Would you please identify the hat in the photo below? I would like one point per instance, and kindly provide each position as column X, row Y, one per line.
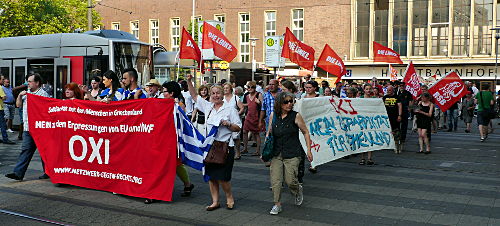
column 153, row 82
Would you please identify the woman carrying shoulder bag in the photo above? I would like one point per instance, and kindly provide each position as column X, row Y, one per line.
column 286, row 149
column 227, row 119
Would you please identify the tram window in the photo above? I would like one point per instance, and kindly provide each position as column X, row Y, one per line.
column 95, row 66
column 44, row 67
column 20, row 75
column 132, row 55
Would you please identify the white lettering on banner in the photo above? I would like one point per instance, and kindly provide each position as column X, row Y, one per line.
column 95, row 149
column 448, row 92
column 295, row 48
column 94, row 173
column 189, row 44
column 334, row 61
column 387, row 53
column 220, row 41
column 413, row 85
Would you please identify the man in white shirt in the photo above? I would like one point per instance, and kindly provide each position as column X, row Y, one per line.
column 28, row 147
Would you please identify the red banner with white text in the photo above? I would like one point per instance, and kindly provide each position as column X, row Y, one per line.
column 384, row 54
column 297, row 51
column 216, row 40
column 127, row 147
column 412, row 81
column 448, row 90
column 331, row 63
column 189, row 49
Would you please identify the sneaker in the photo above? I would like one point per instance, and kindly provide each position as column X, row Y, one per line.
column 275, row 210
column 300, row 196
column 482, row 139
column 10, row 131
column 13, row 176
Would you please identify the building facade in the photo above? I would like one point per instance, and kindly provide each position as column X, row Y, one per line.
column 437, row 35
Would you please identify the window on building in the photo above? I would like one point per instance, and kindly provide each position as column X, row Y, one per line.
column 483, row 22
column 244, row 37
column 298, row 23
column 461, row 28
column 134, row 28
column 220, row 18
column 175, row 33
column 400, row 27
column 381, row 24
column 361, row 43
column 154, row 32
column 270, row 18
column 115, row 26
column 439, row 27
column 419, row 28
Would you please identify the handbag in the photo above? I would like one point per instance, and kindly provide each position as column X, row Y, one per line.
column 218, row 153
column 267, row 151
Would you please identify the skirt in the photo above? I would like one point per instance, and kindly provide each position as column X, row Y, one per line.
column 221, row 171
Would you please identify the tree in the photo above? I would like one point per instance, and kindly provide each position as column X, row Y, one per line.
column 35, row 17
column 190, row 28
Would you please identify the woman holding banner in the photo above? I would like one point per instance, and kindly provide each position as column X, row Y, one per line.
column 424, row 121
column 112, row 84
column 72, row 91
column 226, row 118
column 285, row 125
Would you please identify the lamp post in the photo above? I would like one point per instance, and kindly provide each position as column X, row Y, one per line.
column 497, row 36
column 254, row 64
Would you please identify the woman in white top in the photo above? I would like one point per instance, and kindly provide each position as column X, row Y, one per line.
column 227, row 119
column 234, row 102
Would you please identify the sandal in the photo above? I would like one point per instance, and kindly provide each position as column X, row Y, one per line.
column 362, row 162
column 211, row 208
column 229, row 206
column 149, row 201
column 313, row 170
column 187, row 191
column 370, row 162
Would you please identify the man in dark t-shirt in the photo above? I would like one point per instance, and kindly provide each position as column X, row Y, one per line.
column 394, row 109
column 406, row 100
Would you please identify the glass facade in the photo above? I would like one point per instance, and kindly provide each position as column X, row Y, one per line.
column 425, row 28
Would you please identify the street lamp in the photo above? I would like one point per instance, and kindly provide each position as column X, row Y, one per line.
column 254, row 64
column 497, row 36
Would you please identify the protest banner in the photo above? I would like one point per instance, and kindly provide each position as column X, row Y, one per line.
column 448, row 90
column 216, row 40
column 341, row 126
column 384, row 54
column 412, row 81
column 189, row 49
column 297, row 51
column 331, row 63
column 127, row 147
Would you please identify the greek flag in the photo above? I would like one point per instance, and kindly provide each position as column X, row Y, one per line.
column 192, row 146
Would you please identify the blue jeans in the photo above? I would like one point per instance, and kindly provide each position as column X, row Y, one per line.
column 3, row 126
column 452, row 119
column 28, row 149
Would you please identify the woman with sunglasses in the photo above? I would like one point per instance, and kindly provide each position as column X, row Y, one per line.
column 285, row 126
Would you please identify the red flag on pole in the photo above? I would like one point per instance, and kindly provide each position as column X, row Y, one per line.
column 394, row 73
column 384, row 54
column 412, row 81
column 448, row 90
column 331, row 63
column 189, row 49
column 297, row 51
column 216, row 40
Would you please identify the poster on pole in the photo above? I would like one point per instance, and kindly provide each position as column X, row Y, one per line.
column 339, row 127
column 208, row 54
column 274, row 44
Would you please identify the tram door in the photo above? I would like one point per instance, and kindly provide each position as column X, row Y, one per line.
column 62, row 69
column 19, row 72
column 6, row 69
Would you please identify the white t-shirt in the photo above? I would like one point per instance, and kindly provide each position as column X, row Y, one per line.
column 214, row 117
column 39, row 92
column 189, row 102
column 259, row 89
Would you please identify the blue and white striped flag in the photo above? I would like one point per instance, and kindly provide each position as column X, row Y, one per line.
column 192, row 145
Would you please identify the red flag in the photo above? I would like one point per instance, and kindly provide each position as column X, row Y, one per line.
column 188, row 48
column 448, row 90
column 412, row 81
column 394, row 73
column 215, row 39
column 384, row 54
column 297, row 51
column 331, row 62
column 101, row 146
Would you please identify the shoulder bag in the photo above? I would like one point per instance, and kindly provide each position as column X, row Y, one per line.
column 267, row 151
column 218, row 151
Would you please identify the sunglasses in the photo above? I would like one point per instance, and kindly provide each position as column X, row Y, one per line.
column 251, row 87
column 288, row 101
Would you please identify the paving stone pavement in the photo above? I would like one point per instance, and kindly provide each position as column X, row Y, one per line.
column 458, row 184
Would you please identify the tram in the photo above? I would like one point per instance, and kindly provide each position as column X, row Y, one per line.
column 74, row 57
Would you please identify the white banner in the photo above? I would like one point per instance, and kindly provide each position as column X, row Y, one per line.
column 342, row 127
